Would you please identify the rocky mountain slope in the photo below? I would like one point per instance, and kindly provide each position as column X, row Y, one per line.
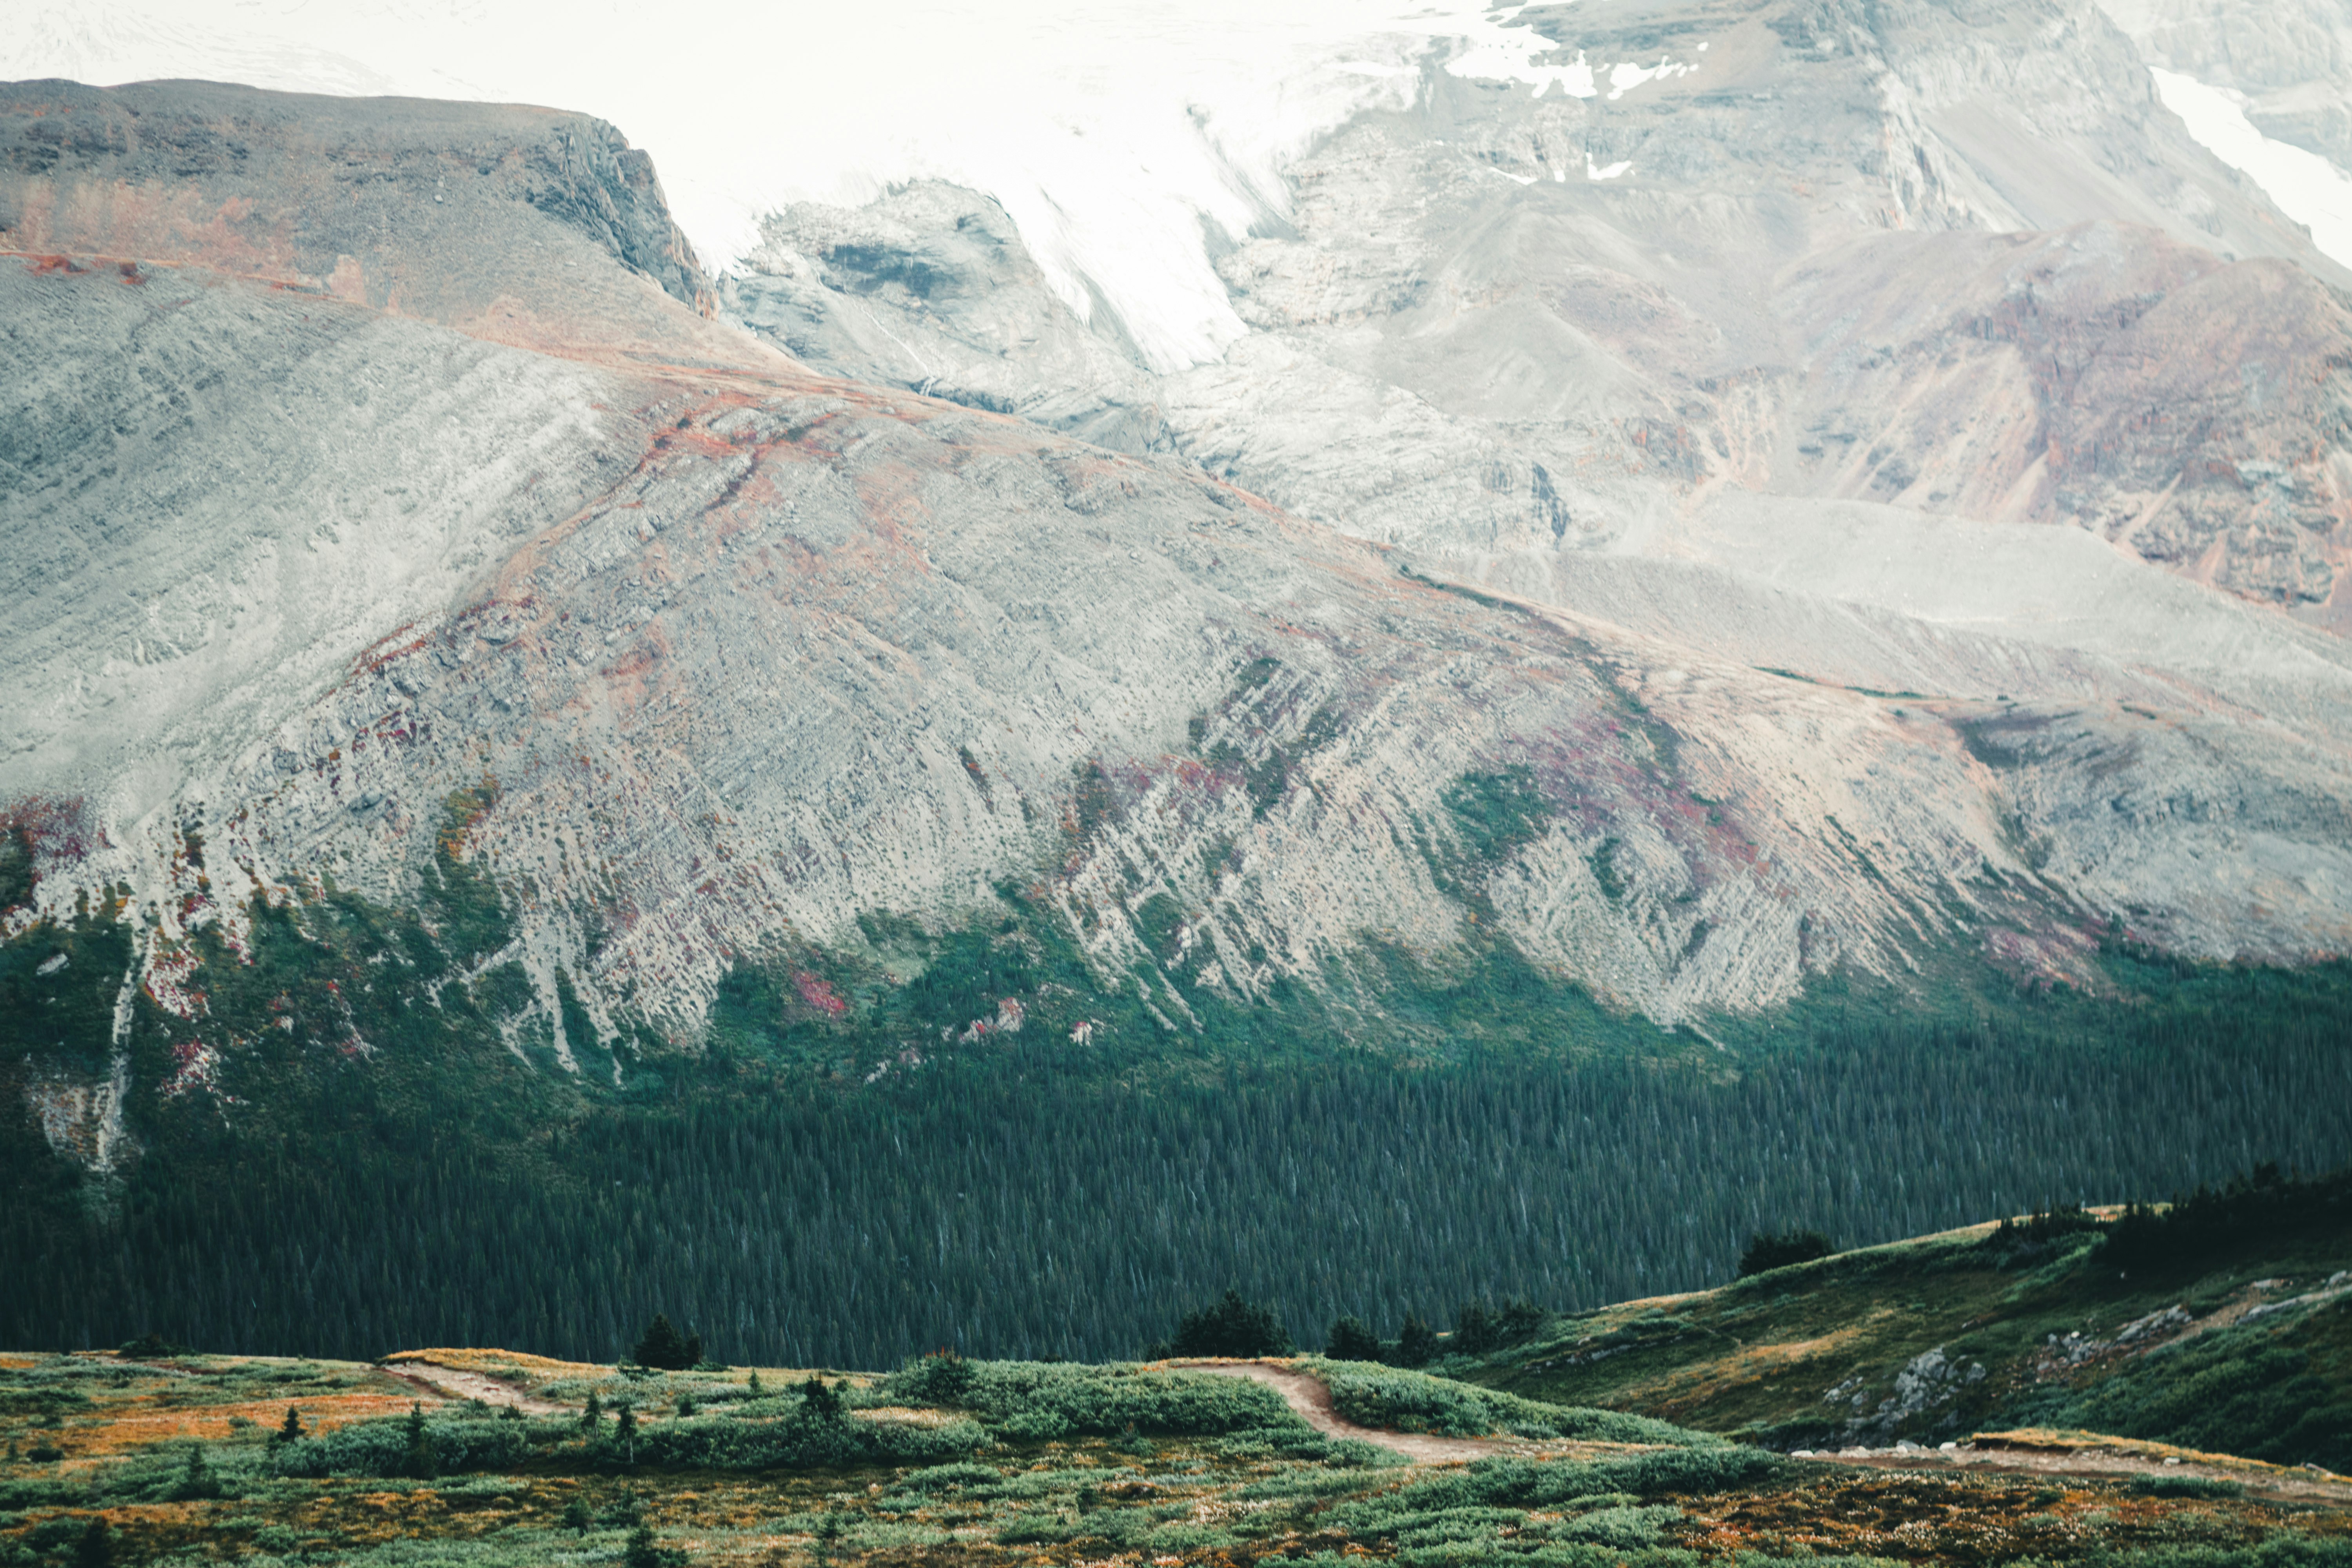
column 1791, row 555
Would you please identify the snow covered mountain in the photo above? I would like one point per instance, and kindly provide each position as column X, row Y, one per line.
column 1762, row 493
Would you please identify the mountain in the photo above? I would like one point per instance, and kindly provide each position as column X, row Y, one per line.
column 1864, row 572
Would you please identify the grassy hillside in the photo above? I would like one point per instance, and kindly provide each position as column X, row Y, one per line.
column 184, row 1459
column 2225, row 1324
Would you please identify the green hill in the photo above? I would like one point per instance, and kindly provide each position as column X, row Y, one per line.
column 2224, row 1324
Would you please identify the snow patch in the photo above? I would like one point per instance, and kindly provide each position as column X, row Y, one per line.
column 2304, row 185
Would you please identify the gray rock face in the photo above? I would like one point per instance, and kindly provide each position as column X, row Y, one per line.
column 505, row 221
column 1965, row 266
column 745, row 651
column 930, row 287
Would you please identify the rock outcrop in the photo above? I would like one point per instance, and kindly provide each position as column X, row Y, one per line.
column 497, row 553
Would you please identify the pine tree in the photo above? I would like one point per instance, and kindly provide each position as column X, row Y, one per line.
column 686, row 1403
column 592, row 1416
column 755, row 1389
column 1232, row 1326
column 96, row 1547
column 1416, row 1342
column 576, row 1517
column 819, row 1402
column 1349, row 1340
column 624, row 1432
column 197, row 1482
column 1475, row 1331
column 290, row 1429
column 665, row 1350
column 421, row 1462
column 1768, row 1251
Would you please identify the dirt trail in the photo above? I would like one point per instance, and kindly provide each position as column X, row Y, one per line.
column 449, row 1383
column 1306, row 1394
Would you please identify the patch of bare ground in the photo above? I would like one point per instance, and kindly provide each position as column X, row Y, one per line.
column 450, row 1383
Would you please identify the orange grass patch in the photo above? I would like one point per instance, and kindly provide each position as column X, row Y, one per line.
column 492, row 1363
column 138, row 1422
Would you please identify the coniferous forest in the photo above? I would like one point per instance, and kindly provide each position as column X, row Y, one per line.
column 1019, row 1204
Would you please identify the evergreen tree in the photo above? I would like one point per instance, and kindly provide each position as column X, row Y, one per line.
column 291, row 1429
column 754, row 1388
column 421, row 1462
column 1349, row 1340
column 197, row 1482
column 1473, row 1330
column 96, row 1547
column 1768, row 1251
column 592, row 1416
column 624, row 1431
column 819, row 1402
column 663, row 1348
column 686, row 1403
column 576, row 1517
column 1416, row 1342
column 641, row 1552
column 1518, row 1320
column 1231, row 1326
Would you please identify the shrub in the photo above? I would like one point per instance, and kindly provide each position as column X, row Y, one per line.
column 942, row 1377
column 2186, row 1486
column 402, row 1447
column 197, row 1482
column 1414, row 1402
column 1232, row 1326
column 1031, row 1400
column 1768, row 1251
column 726, row 1443
column 641, row 1552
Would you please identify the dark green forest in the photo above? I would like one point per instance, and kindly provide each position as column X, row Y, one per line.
column 1003, row 1207
column 845, row 1172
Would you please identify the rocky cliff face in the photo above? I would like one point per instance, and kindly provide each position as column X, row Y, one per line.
column 503, row 221
column 388, row 515
column 1964, row 265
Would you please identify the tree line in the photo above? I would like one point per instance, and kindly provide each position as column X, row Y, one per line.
column 1006, row 1207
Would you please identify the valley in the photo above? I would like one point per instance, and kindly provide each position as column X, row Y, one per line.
column 1742, row 628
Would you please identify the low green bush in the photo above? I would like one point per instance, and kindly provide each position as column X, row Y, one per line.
column 389, row 1448
column 1416, row 1402
column 1525, row 1483
column 1039, row 1400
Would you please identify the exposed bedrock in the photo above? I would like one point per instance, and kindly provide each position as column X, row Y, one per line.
column 705, row 655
